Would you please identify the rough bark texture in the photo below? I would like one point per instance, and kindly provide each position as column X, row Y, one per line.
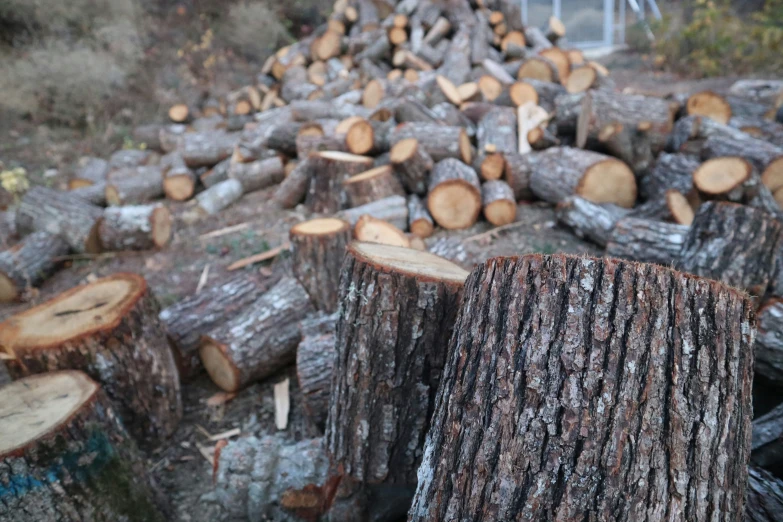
column 144, row 186
column 129, row 356
column 587, row 389
column 329, row 170
column 393, row 209
column 497, row 136
column 137, row 227
column 179, row 182
column 379, row 183
column 765, row 497
column 187, row 320
column 769, row 341
column 734, row 244
column 129, row 158
column 46, row 210
column 671, row 172
column 258, row 341
column 257, row 175
column 391, row 344
column 94, row 194
column 293, row 188
column 439, row 141
column 314, row 364
column 86, row 469
column 27, row 265
column 317, row 257
column 89, row 171
column 519, row 167
column 205, row 149
column 497, row 200
column 646, row 241
column 767, row 447
column 413, row 165
column 759, row 153
column 590, row 220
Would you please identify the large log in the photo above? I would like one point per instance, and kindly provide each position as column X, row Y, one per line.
column 65, row 455
column 314, row 364
column 397, row 310
column 454, row 198
column 329, row 171
column 258, row 341
column 646, row 240
column 393, row 209
column 26, row 265
column 569, row 394
column 208, row 148
column 137, row 227
column 318, row 248
column 258, row 175
column 110, row 330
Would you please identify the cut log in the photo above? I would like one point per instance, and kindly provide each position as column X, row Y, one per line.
column 765, row 497
column 73, row 219
column 539, row 68
column 360, row 137
column 679, row 208
column 590, row 220
column 412, row 164
column 709, row 104
column 110, row 330
column 541, row 396
column 89, row 171
column 497, row 136
column 208, row 148
column 190, row 318
column 721, row 176
column 372, row 185
column 560, row 172
column 216, row 174
column 148, row 136
column 671, row 172
column 258, row 175
column 646, row 241
column 314, row 363
column 387, row 366
column 293, row 188
column 179, row 113
column 560, row 60
column 393, row 209
column 454, row 198
column 439, row 141
column 143, row 186
column 318, row 248
column 419, row 220
column 765, row 157
column 94, row 194
column 329, row 171
column 172, row 137
column 282, row 138
column 141, row 227
column 497, row 199
column 179, row 182
column 218, row 197
column 258, row 341
column 373, row 230
column 518, row 170
column 734, row 244
column 26, row 265
column 66, row 456
column 769, row 341
column 542, row 137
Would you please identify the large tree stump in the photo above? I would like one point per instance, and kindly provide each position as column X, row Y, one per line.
column 590, row 389
column 646, row 240
column 454, row 198
column 329, row 171
column 258, row 341
column 318, row 248
column 765, row 497
column 397, row 308
column 314, row 365
column 65, row 456
column 110, row 330
column 136, row 227
column 734, row 244
column 28, row 264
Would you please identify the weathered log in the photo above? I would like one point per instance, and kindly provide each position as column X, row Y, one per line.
column 28, row 264
column 137, row 227
column 46, row 210
column 373, row 230
column 498, row 203
column 765, row 497
column 148, row 136
column 456, row 62
column 195, row 315
column 142, row 187
column 258, row 341
column 709, row 104
column 208, row 148
column 454, row 198
column 65, row 455
column 172, row 137
column 131, row 158
column 393, row 209
column 372, row 185
column 179, row 182
column 497, row 136
column 766, row 130
column 110, row 330
column 439, row 141
column 590, row 220
column 519, row 168
column 723, row 177
column 89, row 171
column 293, row 188
column 318, row 248
column 769, row 341
column 282, row 138
column 387, row 366
column 412, row 164
column 420, row 221
column 314, row 363
column 258, row 175
column 646, row 240
column 765, row 157
column 329, row 171
column 734, row 244
column 218, row 197
column 767, row 445
column 671, row 172
column 216, row 174
column 541, row 396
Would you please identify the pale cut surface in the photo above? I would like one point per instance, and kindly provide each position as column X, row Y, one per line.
column 560, row 59
column 454, row 205
column 373, row 94
column 360, row 137
column 161, row 226
column 679, row 207
column 609, row 181
column 493, row 166
column 449, row 90
column 536, row 70
column 580, row 79
column 721, row 175
column 707, row 103
column 112, row 198
column 345, row 156
column 319, row 226
column 179, row 112
column 219, row 368
column 179, row 188
column 346, row 124
column 377, row 171
column 8, row 291
column 411, row 261
column 556, row 26
column 522, row 92
column 33, row 406
column 773, row 174
column 82, row 310
column 403, row 150
column 500, row 212
column 465, row 148
column 374, row 230
column 490, row 88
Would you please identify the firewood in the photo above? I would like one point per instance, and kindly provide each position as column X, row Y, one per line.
column 293, row 188
column 73, row 219
column 393, row 209
column 560, row 60
column 171, row 137
column 437, row 31
column 394, row 279
column 546, row 321
column 372, row 230
column 110, row 330
column 216, row 174
column 555, row 30
column 318, row 247
column 766, row 442
column 218, row 197
column 497, row 136
column 179, row 182
column 528, row 117
column 766, row 130
column 765, row 157
column 542, row 137
column 329, row 170
column 179, row 113
column 518, row 170
column 542, row 93
column 28, row 264
column 734, row 244
column 721, row 176
column 449, row 90
column 148, row 136
column 328, row 45
column 190, row 318
column 538, row 68
column 671, row 171
column 769, row 340
column 259, row 340
column 450, row 115
column 586, row 77
column 207, row 149
column 490, row 87
column 89, row 171
column 61, row 446
column 454, row 199
column 145, row 185
column 563, row 171
column 257, row 175
column 94, row 194
column 283, row 138
column 679, row 208
column 709, row 104
column 359, row 137
column 590, row 220
column 499, row 205
column 439, row 141
column 314, row 363
column 456, row 62
column 372, row 185
column 646, row 240
column 765, row 496
column 419, row 220
column 141, row 227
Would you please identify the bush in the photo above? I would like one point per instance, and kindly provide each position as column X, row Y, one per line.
column 253, row 30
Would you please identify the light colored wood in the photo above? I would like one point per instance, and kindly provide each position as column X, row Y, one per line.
column 721, row 175
column 710, row 104
column 258, row 258
column 372, row 230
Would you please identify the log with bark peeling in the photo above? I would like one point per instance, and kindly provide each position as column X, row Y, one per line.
column 26, row 265
column 561, row 442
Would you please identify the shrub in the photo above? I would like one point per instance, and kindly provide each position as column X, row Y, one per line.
column 253, row 30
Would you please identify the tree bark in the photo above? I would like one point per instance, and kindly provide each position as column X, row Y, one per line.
column 131, row 158
column 769, row 341
column 314, row 364
column 671, row 172
column 497, row 136
column 329, row 171
column 141, row 227
column 372, row 185
column 767, row 446
column 65, row 456
column 647, row 241
column 208, row 148
column 27, row 265
column 439, row 141
column 293, row 188
column 218, row 197
column 498, row 203
column 142, row 187
column 570, row 389
column 110, row 330
column 519, row 168
column 179, row 182
column 590, row 220
column 454, row 198
column 412, row 164
column 765, row 497
column 420, row 222
column 90, row 171
column 258, row 175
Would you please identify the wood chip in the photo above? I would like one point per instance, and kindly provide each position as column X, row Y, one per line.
column 258, row 258
column 225, row 435
column 225, row 231
column 220, row 398
column 282, row 404
column 202, row 281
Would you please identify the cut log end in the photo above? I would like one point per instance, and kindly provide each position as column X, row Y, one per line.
column 609, row 181
column 710, row 104
column 219, row 366
column 8, row 289
column 493, row 166
column 359, row 138
column 319, row 227
column 522, row 93
column 179, row 187
column 403, row 150
column 372, row 230
column 161, row 226
column 465, row 148
column 179, row 113
column 581, row 79
column 405, row 260
column 772, row 176
column 680, row 208
column 721, row 175
column 373, row 94
column 536, row 69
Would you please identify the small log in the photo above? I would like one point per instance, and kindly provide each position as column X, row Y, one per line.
column 372, row 185
column 258, row 175
column 110, row 330
column 454, row 199
column 709, row 104
column 734, row 244
column 373, row 230
column 179, row 182
column 497, row 136
column 179, row 113
column 258, row 341
column 590, row 220
column 387, row 364
column 765, row 497
column 141, row 227
column 671, row 172
column 65, row 455
column 500, row 207
column 94, row 194
column 538, row 68
column 561, row 442
column 143, row 187
column 439, row 141
column 28, row 264
column 216, row 174
column 560, row 172
column 89, row 171
column 197, row 314
column 314, row 363
column 218, row 197
column 769, row 340
column 282, row 138
column 518, row 170
column 646, row 241
column 148, row 136
column 329, row 171
column 318, row 248
column 393, row 209
column 293, row 188
column 73, row 219
column 437, row 31
column 456, row 62
column 420, row 222
column 412, row 164
column 207, row 149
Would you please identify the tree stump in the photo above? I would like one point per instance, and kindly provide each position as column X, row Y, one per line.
column 454, row 198
column 65, row 456
column 329, row 171
column 591, row 389
column 137, row 227
column 397, row 308
column 318, row 248
column 27, row 265
column 110, row 330
column 314, row 365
